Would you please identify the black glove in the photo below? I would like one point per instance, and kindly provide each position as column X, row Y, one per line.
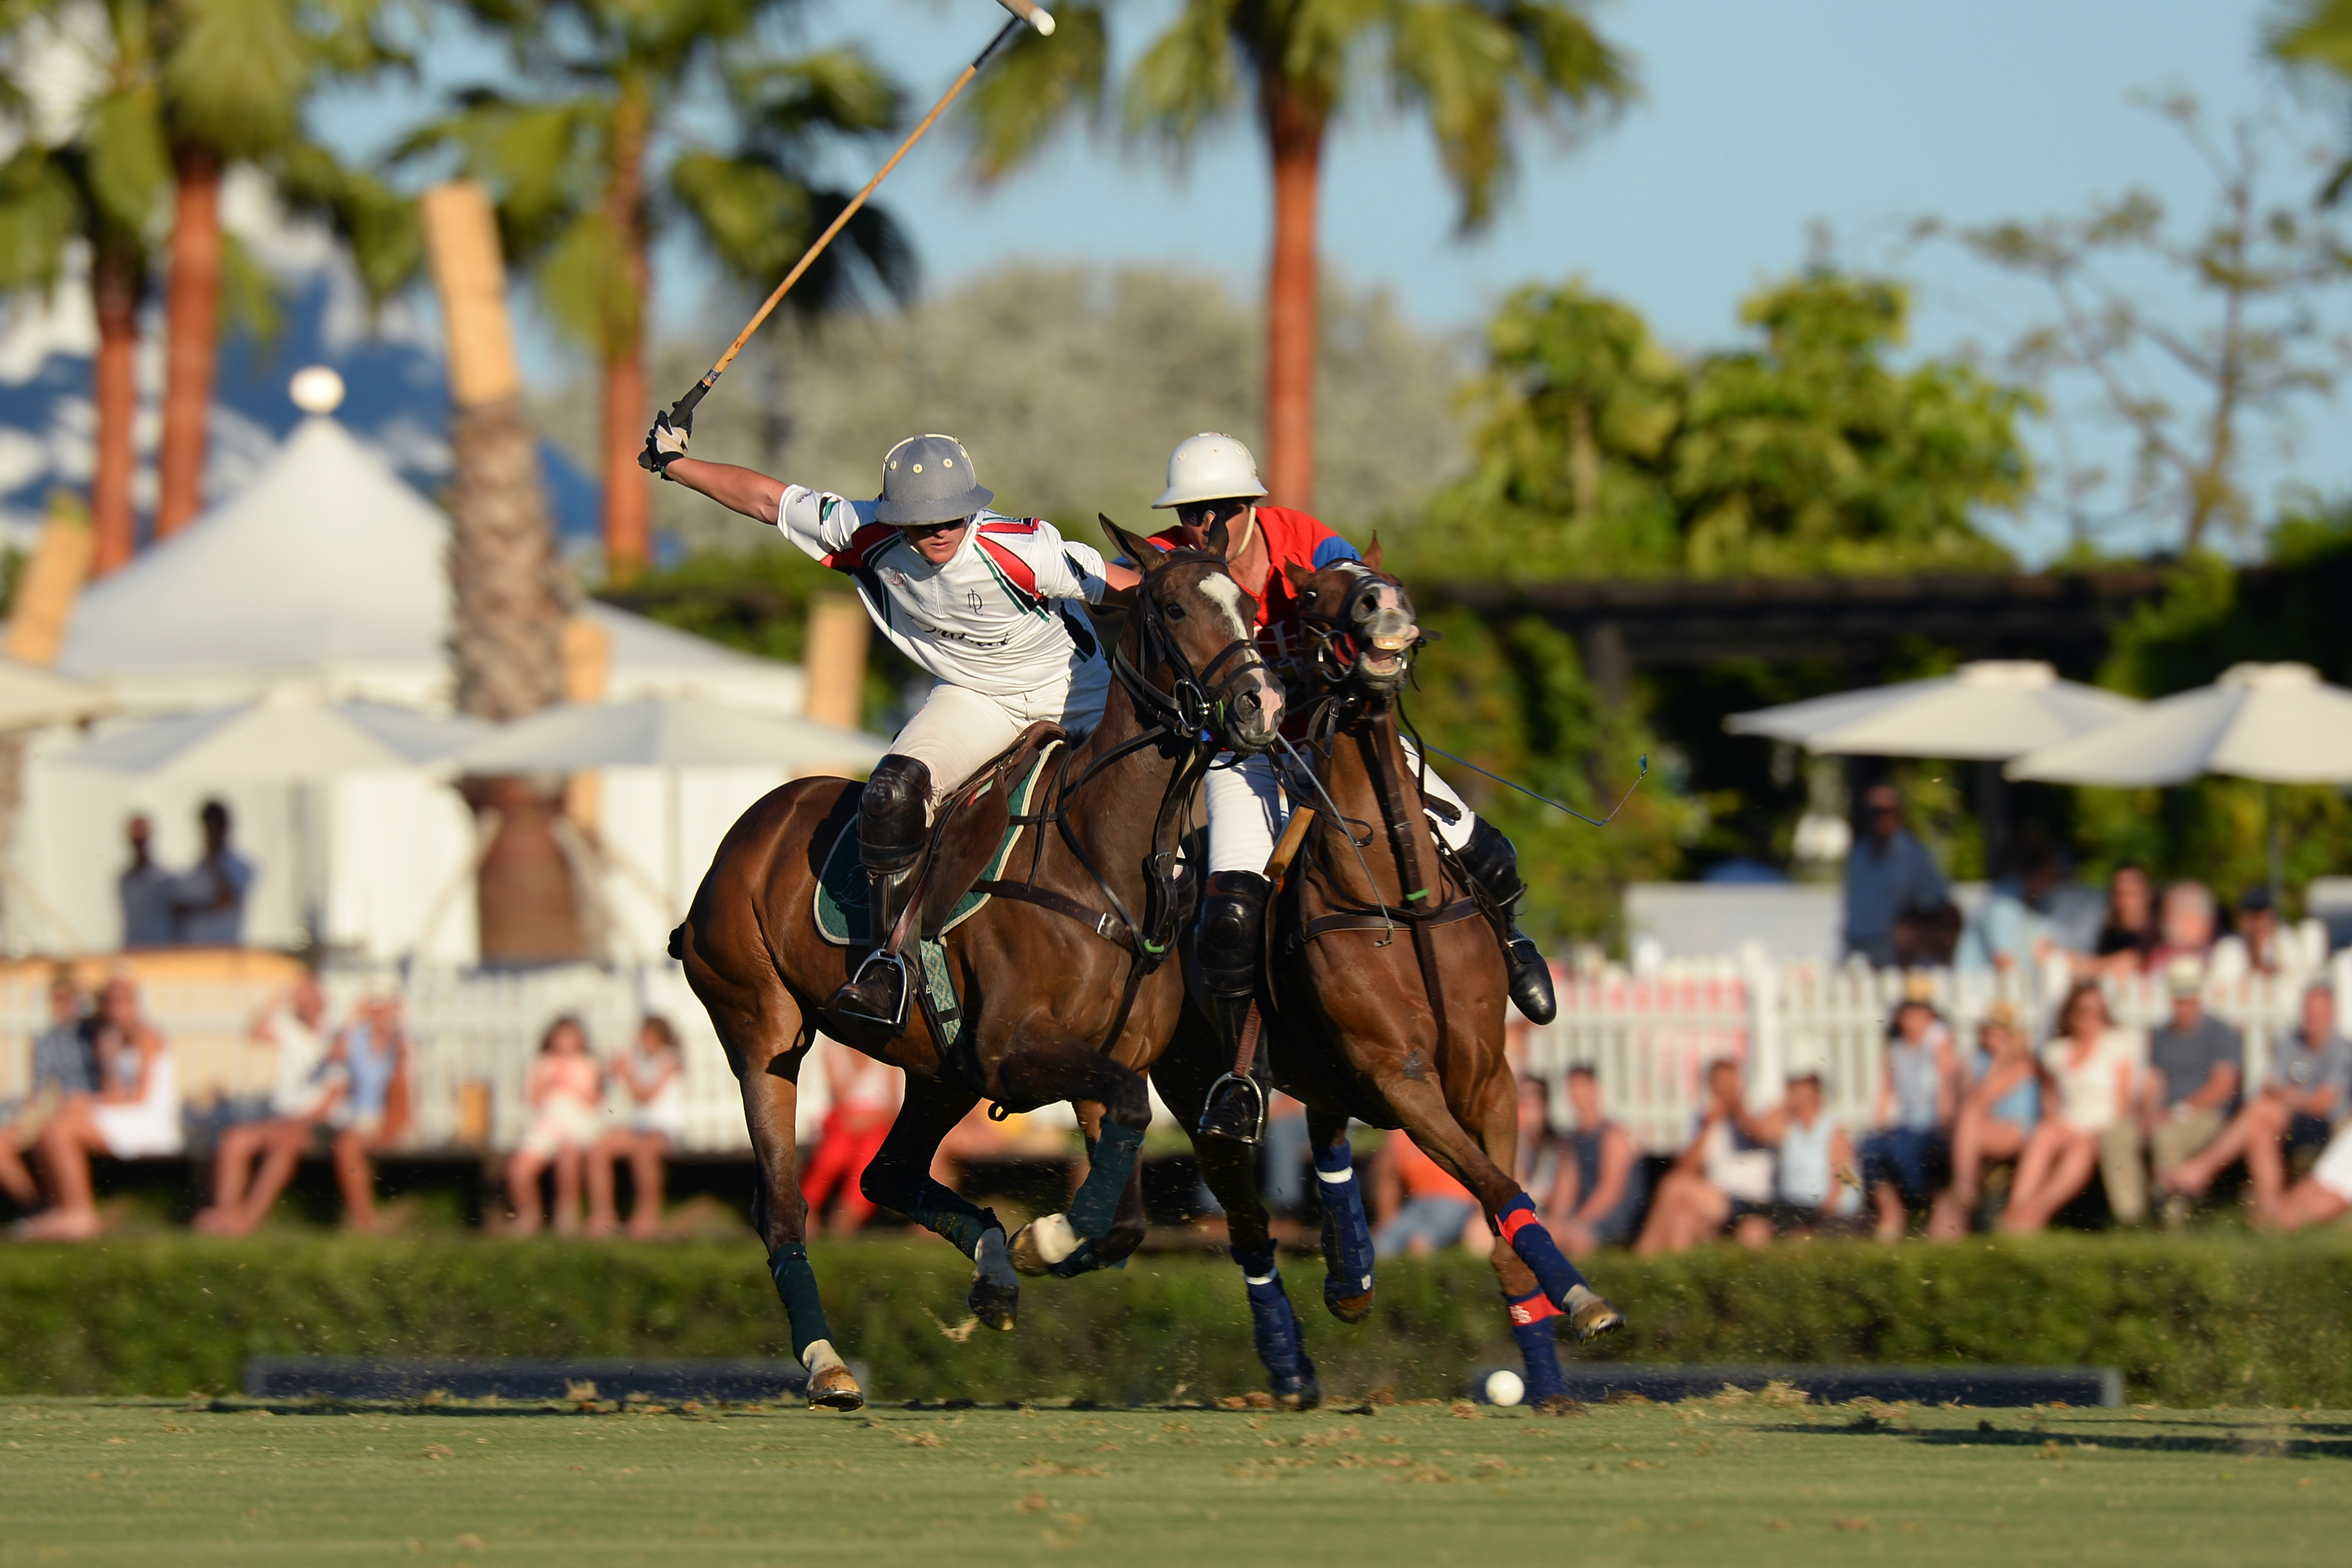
column 665, row 443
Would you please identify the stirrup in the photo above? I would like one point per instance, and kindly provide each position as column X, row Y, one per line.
column 1220, row 1121
column 885, row 964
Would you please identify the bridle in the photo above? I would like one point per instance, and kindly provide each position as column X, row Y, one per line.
column 1335, row 645
column 1196, row 701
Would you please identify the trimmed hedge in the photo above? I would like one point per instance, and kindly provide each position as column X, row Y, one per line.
column 2190, row 1320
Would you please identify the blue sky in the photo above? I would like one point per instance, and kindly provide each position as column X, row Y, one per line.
column 1758, row 127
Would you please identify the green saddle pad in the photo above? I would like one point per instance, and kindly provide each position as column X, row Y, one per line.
column 841, row 911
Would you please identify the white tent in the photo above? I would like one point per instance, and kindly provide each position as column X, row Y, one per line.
column 288, row 737
column 1990, row 710
column 30, row 698
column 2278, row 723
column 677, row 732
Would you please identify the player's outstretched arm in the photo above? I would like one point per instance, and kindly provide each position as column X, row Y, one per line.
column 745, row 491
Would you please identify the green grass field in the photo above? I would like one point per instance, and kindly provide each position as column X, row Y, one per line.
column 1707, row 1481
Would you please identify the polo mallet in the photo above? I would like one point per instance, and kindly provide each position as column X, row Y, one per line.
column 681, row 412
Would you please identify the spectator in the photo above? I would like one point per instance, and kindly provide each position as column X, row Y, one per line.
column 208, row 903
column 2310, row 1086
column 2129, row 935
column 370, row 1062
column 2184, row 926
column 146, row 892
column 566, row 1093
column 1815, row 1185
column 1917, row 1094
column 135, row 1113
column 1420, row 1206
column 63, row 1066
column 1597, row 1192
column 1889, row 874
column 1723, row 1176
column 653, row 1074
column 2254, row 946
column 2322, row 1196
column 2014, row 928
column 865, row 1096
column 256, row 1158
column 2196, row 1064
column 2090, row 1067
column 1998, row 1114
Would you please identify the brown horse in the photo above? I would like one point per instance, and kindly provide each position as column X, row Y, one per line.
column 1060, row 992
column 1383, row 1001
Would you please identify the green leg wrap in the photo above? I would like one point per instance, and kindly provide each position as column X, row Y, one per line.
column 796, row 1287
column 962, row 1222
column 1095, row 1203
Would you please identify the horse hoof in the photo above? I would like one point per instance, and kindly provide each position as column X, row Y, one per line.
column 1591, row 1316
column 832, row 1388
column 995, row 1296
column 1349, row 1309
column 1042, row 1243
column 1305, row 1396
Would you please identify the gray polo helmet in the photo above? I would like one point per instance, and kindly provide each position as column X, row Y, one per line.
column 928, row 479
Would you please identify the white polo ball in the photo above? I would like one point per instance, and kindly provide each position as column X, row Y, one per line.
column 1505, row 1387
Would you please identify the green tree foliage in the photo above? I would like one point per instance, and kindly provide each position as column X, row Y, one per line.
column 2315, row 35
column 1599, row 454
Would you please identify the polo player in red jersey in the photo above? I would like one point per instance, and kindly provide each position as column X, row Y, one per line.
column 1213, row 478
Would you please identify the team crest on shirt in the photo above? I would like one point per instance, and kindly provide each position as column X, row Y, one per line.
column 895, row 578
column 976, row 604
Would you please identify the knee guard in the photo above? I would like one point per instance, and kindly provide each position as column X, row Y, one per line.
column 1493, row 863
column 894, row 814
column 1233, row 932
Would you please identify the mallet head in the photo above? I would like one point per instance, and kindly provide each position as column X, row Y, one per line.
column 1029, row 11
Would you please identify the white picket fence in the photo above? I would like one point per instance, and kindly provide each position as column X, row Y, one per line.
column 1650, row 1038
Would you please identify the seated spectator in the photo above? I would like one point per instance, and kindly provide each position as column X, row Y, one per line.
column 1723, row 1176
column 135, row 1113
column 2013, row 930
column 1816, row 1186
column 1998, row 1114
column 566, row 1094
column 1597, row 1191
column 865, row 1096
column 256, row 1158
column 2256, row 945
column 1419, row 1205
column 208, row 902
column 146, row 890
column 1888, row 875
column 2185, row 926
column 2323, row 1196
column 369, row 1064
column 2309, row 1090
column 1917, row 1094
column 2196, row 1064
column 2129, row 935
column 2089, row 1068
column 63, row 1066
column 652, row 1074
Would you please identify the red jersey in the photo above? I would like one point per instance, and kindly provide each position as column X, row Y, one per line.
column 1292, row 538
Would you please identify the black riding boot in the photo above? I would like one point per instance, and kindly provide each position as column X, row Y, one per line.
column 892, row 818
column 1233, row 929
column 1494, row 865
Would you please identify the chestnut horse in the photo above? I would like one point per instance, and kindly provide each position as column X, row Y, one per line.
column 1060, row 992
column 1384, row 1000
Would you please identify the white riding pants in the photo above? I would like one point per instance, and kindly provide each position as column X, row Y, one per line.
column 1247, row 809
column 958, row 729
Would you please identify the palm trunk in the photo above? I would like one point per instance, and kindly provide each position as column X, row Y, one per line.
column 191, row 329
column 116, row 281
column 629, row 503
column 1294, row 126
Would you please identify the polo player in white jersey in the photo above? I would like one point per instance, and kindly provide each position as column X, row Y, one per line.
column 992, row 605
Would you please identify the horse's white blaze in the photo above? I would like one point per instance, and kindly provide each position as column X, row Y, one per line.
column 1226, row 595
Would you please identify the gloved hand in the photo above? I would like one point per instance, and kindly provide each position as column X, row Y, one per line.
column 665, row 443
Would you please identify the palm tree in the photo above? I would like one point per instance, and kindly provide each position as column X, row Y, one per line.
column 99, row 180
column 2317, row 35
column 586, row 174
column 1469, row 67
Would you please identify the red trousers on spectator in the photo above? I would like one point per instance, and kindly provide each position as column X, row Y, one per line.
column 841, row 1155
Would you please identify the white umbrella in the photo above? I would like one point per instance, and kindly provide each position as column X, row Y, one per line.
column 665, row 732
column 1990, row 710
column 286, row 738
column 2278, row 723
column 30, row 697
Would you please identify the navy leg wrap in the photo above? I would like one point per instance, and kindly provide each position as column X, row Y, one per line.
column 796, row 1288
column 1517, row 1223
column 1275, row 1326
column 1095, row 1203
column 959, row 1220
column 1531, row 1326
column 1347, row 1238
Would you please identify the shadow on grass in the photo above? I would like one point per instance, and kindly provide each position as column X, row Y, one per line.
column 2309, row 1442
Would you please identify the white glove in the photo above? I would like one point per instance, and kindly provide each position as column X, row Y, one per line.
column 665, row 443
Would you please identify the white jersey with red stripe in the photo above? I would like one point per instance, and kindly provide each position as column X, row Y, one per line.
column 992, row 620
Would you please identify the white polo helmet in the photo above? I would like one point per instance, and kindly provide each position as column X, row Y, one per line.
column 1210, row 466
